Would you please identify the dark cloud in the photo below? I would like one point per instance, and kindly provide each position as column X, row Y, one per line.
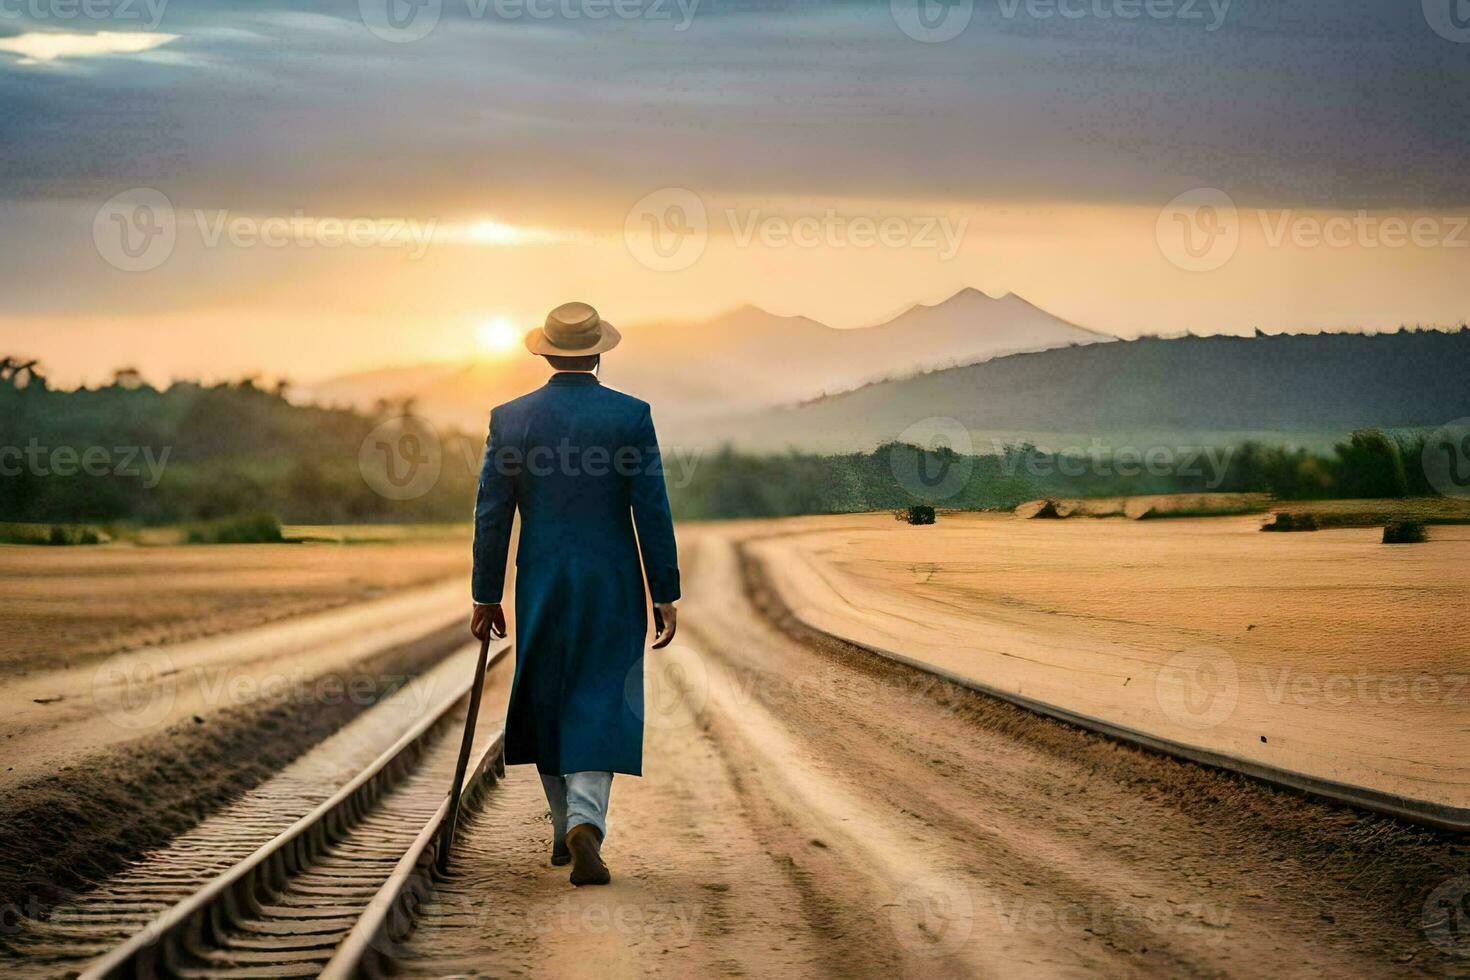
column 274, row 106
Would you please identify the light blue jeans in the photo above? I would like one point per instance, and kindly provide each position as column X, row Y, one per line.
column 577, row 797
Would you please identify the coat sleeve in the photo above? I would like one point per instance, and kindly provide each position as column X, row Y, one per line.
column 651, row 515
column 495, row 507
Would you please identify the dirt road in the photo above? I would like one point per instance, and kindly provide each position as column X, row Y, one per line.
column 810, row 810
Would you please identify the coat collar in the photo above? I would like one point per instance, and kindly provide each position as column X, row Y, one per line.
column 572, row 378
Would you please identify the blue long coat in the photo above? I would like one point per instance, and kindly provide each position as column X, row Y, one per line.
column 581, row 464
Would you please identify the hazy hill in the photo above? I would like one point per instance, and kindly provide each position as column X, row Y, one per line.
column 1218, row 387
column 742, row 361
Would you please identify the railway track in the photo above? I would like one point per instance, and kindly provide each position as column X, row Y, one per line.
column 331, row 894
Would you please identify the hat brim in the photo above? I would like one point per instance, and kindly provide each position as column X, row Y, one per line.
column 538, row 343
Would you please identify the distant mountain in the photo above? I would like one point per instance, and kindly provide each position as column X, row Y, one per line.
column 970, row 326
column 1210, row 388
column 735, row 364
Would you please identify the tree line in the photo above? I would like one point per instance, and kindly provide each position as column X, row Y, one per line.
column 128, row 452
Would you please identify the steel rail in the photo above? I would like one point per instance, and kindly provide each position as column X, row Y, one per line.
column 370, row 949
column 164, row 944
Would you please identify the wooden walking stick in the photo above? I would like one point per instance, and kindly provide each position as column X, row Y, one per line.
column 452, row 819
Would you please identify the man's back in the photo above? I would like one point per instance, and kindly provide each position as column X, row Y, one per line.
column 580, row 463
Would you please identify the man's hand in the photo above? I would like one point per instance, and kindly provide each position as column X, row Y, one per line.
column 665, row 624
column 488, row 622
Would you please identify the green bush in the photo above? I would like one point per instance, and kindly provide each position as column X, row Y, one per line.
column 243, row 529
column 54, row 534
column 1404, row 532
column 1292, row 522
column 24, row 534
column 917, row 514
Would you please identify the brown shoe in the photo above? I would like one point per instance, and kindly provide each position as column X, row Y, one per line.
column 560, row 855
column 585, row 843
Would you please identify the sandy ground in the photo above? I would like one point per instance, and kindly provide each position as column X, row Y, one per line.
column 811, row 810
column 51, row 719
column 1326, row 653
column 66, row 607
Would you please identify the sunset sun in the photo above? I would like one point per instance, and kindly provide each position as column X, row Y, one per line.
column 497, row 336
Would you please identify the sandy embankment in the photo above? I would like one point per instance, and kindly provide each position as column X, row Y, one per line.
column 53, row 718
column 69, row 607
column 1327, row 654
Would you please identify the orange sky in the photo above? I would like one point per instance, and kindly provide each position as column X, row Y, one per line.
column 310, row 313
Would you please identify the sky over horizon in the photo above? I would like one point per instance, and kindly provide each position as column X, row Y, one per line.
column 219, row 187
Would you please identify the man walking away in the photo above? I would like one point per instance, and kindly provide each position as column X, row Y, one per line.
column 581, row 465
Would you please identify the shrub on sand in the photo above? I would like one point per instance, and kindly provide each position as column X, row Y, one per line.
column 54, row 534
column 1404, row 532
column 1291, row 522
column 243, row 529
column 917, row 514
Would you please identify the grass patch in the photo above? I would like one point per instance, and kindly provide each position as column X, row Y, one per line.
column 243, row 529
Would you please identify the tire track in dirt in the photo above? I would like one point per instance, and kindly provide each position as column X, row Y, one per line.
column 696, row 890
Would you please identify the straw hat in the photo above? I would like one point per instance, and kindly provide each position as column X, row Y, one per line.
column 572, row 330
